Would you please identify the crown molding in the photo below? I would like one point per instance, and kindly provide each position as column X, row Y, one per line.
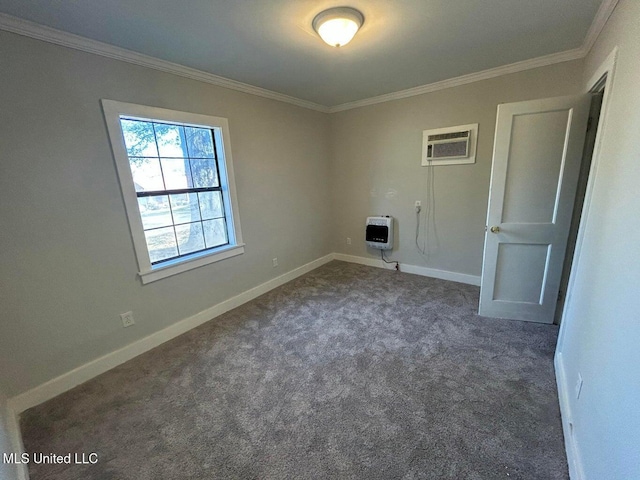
column 58, row 37
column 559, row 57
column 70, row 40
column 602, row 15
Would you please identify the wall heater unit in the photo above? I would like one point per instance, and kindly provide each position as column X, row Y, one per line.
column 379, row 232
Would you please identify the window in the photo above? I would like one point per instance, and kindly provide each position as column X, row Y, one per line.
column 177, row 182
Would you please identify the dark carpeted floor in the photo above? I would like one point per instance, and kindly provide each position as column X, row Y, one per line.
column 346, row 372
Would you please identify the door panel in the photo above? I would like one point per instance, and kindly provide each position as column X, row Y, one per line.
column 514, row 258
column 534, row 167
column 536, row 161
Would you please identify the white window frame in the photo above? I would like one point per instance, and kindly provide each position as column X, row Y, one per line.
column 113, row 111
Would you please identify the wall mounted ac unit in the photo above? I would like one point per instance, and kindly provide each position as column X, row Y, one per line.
column 450, row 145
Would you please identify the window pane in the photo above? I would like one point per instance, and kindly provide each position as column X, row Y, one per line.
column 204, row 173
column 185, row 208
column 139, row 138
column 146, row 173
column 200, row 142
column 155, row 211
column 210, row 205
column 161, row 244
column 176, row 173
column 190, row 238
column 170, row 140
column 215, row 232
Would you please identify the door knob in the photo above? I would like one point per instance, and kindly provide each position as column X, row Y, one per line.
column 495, row 229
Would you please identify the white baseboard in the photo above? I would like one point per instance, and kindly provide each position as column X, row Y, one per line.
column 75, row 377
column 573, row 454
column 13, row 437
column 86, row 372
column 415, row 269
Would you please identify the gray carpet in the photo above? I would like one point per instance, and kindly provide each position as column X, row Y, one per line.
column 346, row 372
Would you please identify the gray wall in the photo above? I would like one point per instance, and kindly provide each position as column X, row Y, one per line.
column 376, row 152
column 69, row 254
column 601, row 332
column 66, row 257
column 68, row 267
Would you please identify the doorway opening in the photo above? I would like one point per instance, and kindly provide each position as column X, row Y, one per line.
column 597, row 95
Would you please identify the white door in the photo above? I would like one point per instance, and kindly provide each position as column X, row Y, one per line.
column 536, row 161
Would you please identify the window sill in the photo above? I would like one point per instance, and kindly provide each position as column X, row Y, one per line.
column 185, row 264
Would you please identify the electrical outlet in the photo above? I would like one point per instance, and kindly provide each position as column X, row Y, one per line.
column 578, row 386
column 348, row 241
column 127, row 319
column 275, row 262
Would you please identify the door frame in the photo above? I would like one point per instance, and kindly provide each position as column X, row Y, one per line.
column 605, row 71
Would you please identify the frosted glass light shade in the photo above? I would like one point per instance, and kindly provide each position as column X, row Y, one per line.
column 337, row 26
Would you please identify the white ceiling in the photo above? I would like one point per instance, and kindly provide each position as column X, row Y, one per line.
column 270, row 43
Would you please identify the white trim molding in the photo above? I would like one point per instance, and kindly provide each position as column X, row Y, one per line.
column 607, row 68
column 415, row 269
column 17, row 471
column 58, row 37
column 114, row 113
column 560, row 57
column 602, row 15
column 70, row 40
column 86, row 372
column 573, row 453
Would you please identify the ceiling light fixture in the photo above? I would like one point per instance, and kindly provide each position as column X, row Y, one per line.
column 337, row 26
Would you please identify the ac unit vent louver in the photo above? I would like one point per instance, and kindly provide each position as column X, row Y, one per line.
column 449, row 136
